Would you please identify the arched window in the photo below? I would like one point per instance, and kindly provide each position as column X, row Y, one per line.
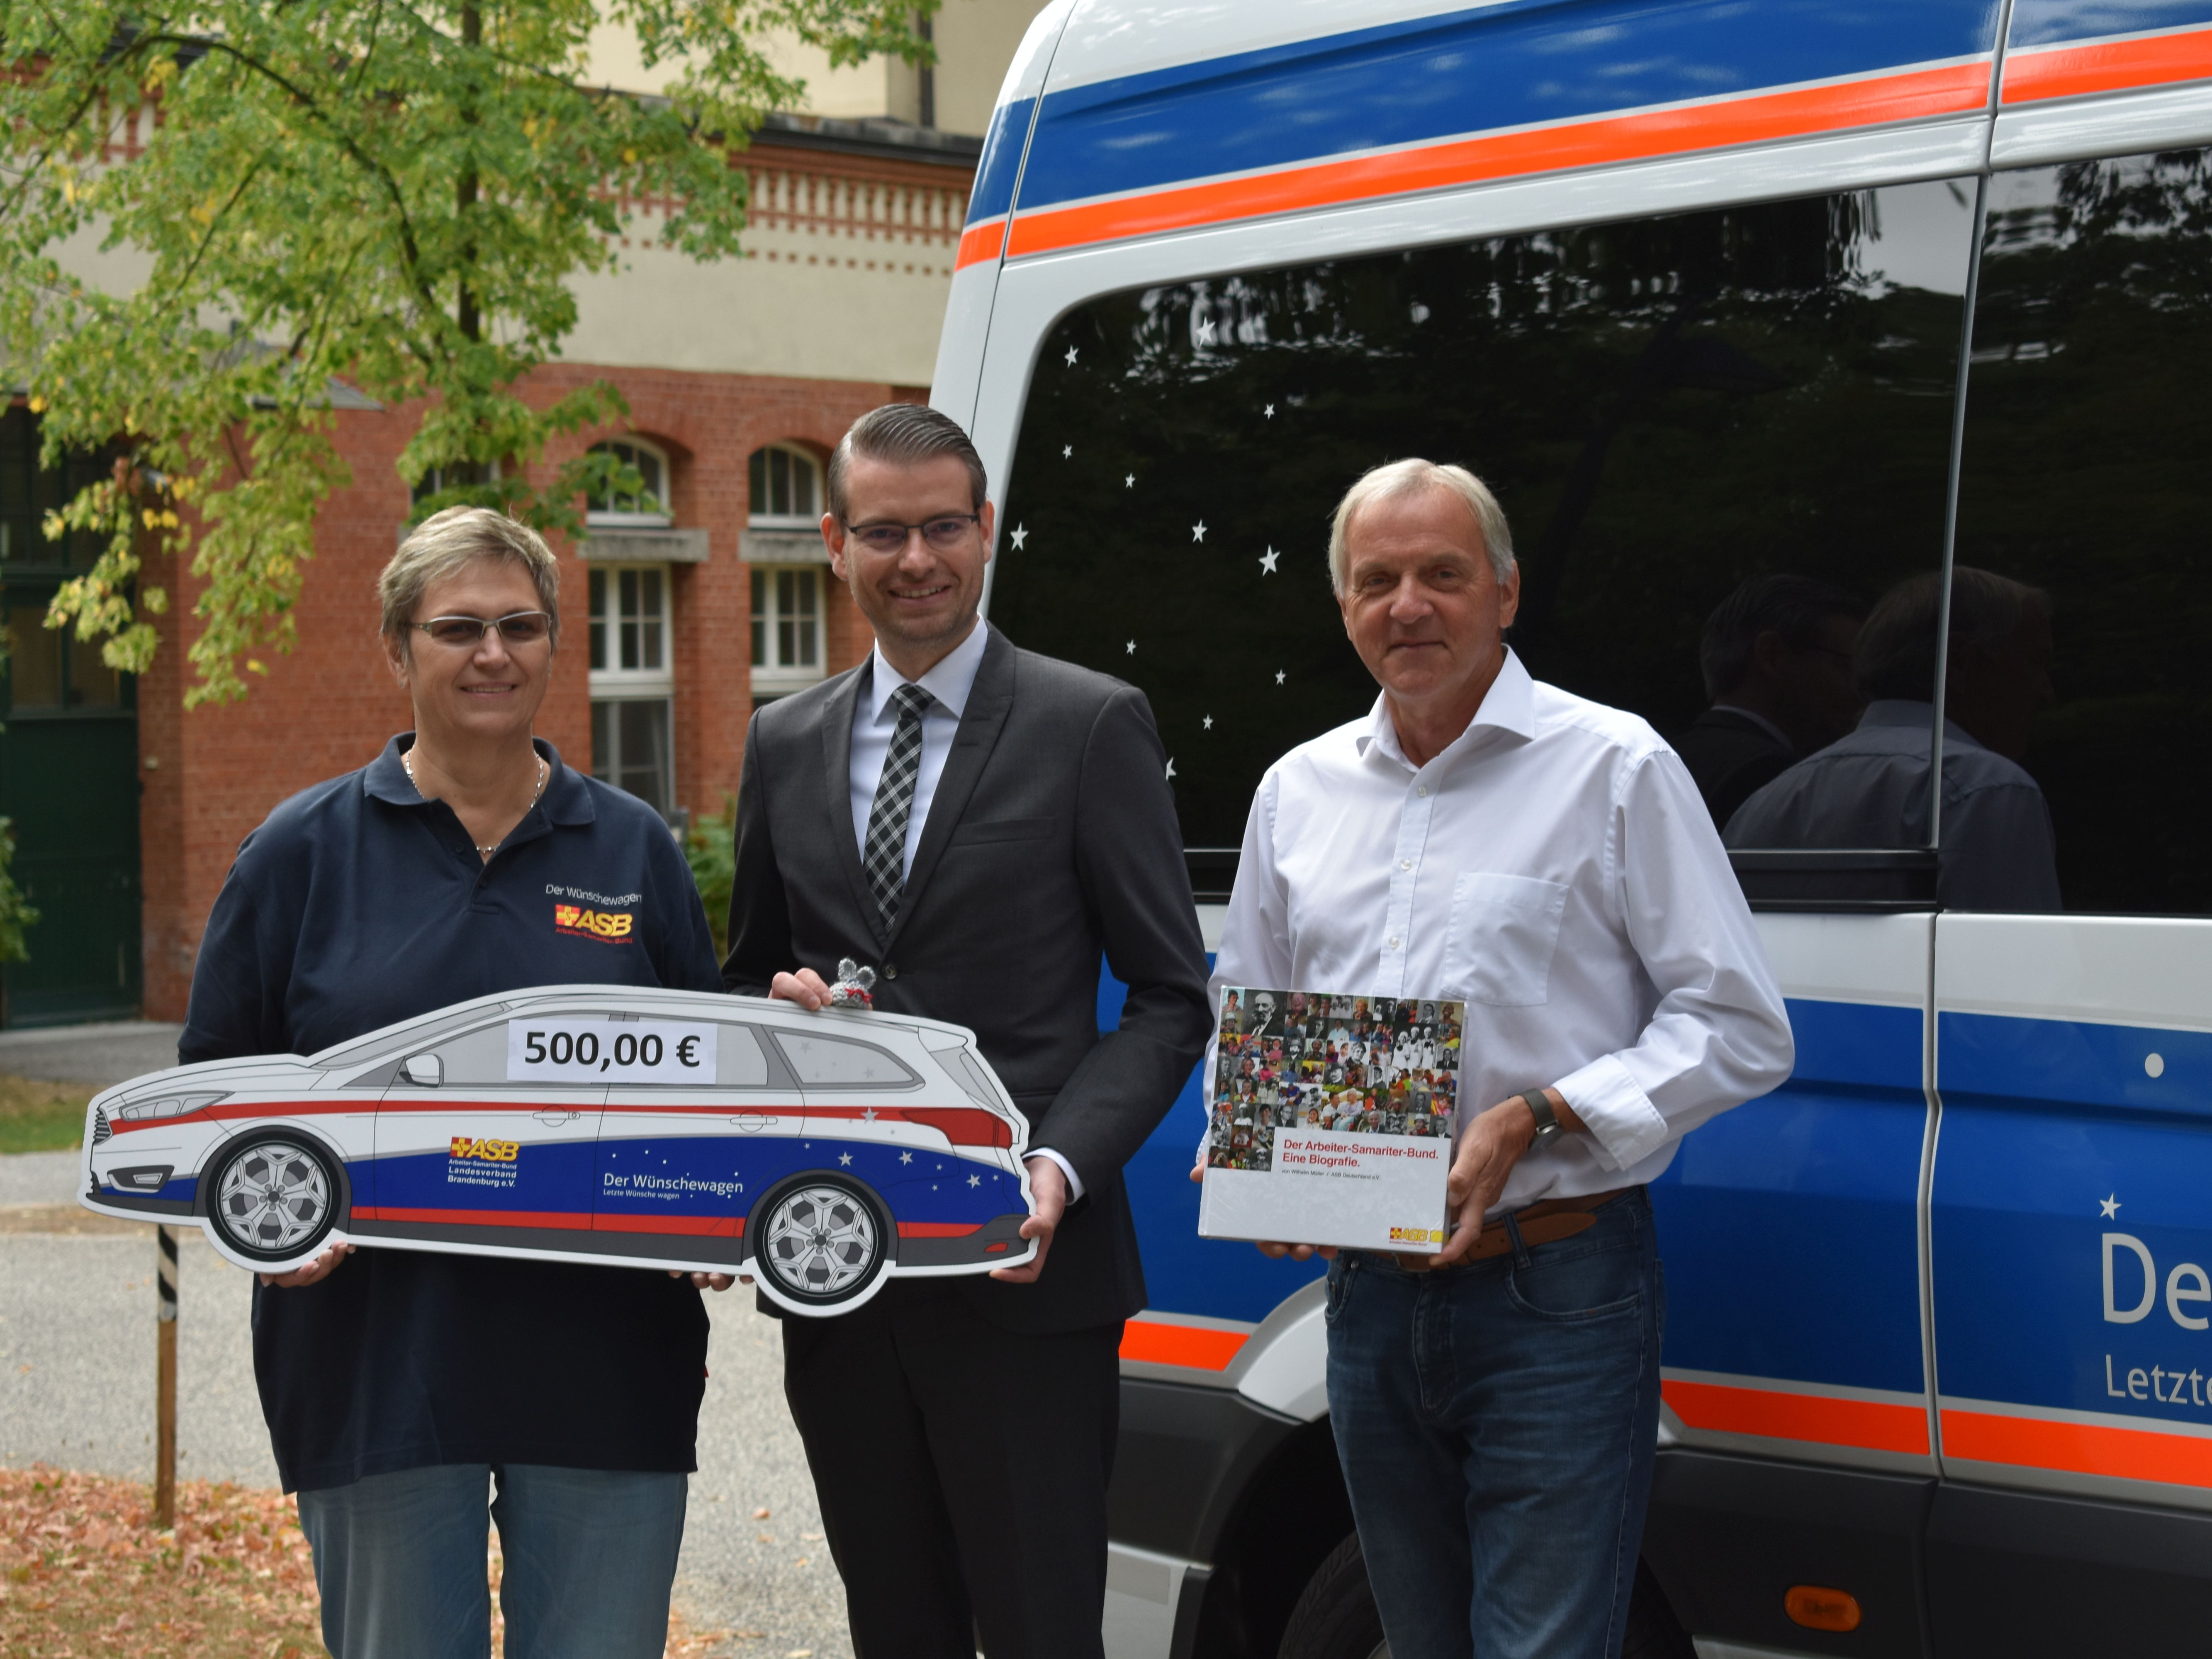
column 785, row 489
column 645, row 507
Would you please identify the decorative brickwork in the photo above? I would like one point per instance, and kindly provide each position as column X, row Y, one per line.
column 214, row 774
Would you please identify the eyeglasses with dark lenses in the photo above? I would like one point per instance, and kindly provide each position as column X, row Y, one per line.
column 518, row 628
column 944, row 533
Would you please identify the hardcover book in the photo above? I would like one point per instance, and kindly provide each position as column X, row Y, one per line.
column 1330, row 1119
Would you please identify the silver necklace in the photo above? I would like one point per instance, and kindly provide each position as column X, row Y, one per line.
column 407, row 762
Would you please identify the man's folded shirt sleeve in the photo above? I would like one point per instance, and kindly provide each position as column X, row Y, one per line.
column 1720, row 1034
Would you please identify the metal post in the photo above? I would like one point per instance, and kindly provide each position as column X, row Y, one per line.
column 165, row 1381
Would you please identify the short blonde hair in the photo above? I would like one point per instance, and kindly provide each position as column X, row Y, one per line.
column 446, row 543
column 1412, row 478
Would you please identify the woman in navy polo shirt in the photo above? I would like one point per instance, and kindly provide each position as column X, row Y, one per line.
column 402, row 1389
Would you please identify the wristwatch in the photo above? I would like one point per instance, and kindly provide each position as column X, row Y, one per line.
column 1547, row 1121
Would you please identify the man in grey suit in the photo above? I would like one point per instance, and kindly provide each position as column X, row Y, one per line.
column 981, row 824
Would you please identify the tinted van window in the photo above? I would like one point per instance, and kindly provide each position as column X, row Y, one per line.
column 2088, row 478
column 1747, row 411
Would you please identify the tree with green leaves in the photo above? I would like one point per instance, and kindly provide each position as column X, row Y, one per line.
column 372, row 194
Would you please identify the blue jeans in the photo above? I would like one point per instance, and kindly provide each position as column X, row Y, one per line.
column 1496, row 1422
column 590, row 1555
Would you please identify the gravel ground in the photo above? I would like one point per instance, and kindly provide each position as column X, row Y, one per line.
column 77, row 1390
column 102, row 1056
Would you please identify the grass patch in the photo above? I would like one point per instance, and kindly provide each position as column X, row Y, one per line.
column 42, row 1117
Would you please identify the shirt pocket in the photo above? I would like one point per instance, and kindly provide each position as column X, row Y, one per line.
column 1499, row 941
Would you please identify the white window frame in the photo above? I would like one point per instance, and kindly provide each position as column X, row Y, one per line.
column 644, row 449
column 771, row 676
column 613, row 680
column 757, row 518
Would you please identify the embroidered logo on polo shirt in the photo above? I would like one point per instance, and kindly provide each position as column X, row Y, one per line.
column 611, row 926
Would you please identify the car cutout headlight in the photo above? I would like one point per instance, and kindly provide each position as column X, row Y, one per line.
column 161, row 1106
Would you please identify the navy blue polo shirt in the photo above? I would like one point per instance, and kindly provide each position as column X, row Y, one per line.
column 358, row 904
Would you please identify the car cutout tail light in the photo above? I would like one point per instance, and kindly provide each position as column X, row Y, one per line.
column 960, row 1125
column 161, row 1106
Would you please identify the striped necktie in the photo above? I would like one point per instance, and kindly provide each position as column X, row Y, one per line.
column 884, row 859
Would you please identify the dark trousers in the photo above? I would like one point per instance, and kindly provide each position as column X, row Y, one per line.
column 962, row 1471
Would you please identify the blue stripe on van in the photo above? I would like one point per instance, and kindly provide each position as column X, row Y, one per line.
column 2072, row 1064
column 2045, row 22
column 1507, row 66
column 992, row 193
column 1788, row 1226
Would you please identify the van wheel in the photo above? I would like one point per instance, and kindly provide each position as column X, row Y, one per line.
column 1335, row 1618
column 274, row 1198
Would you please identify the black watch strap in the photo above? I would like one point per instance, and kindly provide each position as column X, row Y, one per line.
column 1547, row 1121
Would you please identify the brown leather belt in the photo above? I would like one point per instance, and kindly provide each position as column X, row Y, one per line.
column 1547, row 1223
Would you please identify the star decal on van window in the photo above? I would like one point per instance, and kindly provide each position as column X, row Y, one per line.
column 1071, row 357
column 1268, row 562
column 1018, row 535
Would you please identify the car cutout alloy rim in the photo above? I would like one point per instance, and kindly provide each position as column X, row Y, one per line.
column 820, row 1241
column 272, row 1196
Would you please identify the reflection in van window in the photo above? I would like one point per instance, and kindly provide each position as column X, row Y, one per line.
column 1777, row 661
column 2085, row 477
column 1668, row 408
column 1871, row 788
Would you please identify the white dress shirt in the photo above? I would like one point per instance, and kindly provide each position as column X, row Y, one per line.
column 875, row 721
column 1554, row 868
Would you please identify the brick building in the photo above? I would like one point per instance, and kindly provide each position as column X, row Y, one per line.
column 680, row 612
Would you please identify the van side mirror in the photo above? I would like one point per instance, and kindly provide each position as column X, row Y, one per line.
column 424, row 1071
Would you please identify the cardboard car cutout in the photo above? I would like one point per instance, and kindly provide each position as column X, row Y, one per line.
column 822, row 1153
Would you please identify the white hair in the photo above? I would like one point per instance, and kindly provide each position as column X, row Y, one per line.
column 1414, row 477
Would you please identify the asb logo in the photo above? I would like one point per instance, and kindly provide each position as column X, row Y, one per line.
column 491, row 1151
column 611, row 926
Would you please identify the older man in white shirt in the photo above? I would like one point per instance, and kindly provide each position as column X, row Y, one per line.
column 1485, row 837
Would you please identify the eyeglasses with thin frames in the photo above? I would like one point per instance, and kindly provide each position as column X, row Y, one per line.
column 943, row 532
column 517, row 628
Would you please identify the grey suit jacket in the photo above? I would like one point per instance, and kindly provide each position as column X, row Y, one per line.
column 1051, row 842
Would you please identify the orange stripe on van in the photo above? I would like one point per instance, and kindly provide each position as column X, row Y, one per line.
column 1875, row 1425
column 2038, row 1442
column 1955, row 88
column 1197, row 1346
column 2108, row 66
column 980, row 242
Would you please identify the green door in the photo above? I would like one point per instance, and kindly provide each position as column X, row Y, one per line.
column 69, row 771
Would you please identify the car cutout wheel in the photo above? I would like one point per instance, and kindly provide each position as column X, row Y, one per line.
column 822, row 1242
column 275, row 1198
